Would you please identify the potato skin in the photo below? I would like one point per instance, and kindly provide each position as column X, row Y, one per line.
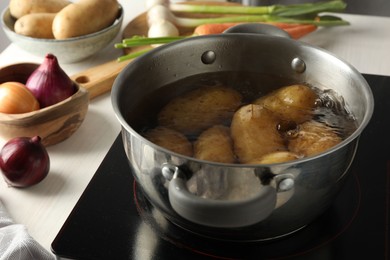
column 215, row 144
column 19, row 8
column 84, row 17
column 199, row 109
column 170, row 139
column 254, row 133
column 275, row 157
column 291, row 103
column 313, row 138
column 37, row 25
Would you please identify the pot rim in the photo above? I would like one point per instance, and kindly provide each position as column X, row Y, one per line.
column 156, row 51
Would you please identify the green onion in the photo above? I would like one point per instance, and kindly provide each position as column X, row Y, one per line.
column 325, row 20
column 320, row 20
column 162, row 12
column 133, row 55
column 140, row 41
column 193, row 22
column 310, row 8
column 281, row 10
column 221, row 9
column 306, row 13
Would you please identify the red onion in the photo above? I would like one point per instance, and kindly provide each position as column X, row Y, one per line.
column 49, row 83
column 24, row 161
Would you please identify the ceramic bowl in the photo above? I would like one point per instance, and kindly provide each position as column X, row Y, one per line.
column 67, row 51
column 53, row 123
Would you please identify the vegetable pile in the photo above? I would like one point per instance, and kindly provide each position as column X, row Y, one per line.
column 164, row 20
column 62, row 19
column 46, row 86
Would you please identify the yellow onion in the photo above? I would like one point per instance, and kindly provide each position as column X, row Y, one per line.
column 15, row 98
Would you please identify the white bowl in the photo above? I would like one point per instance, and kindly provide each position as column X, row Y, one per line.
column 67, row 51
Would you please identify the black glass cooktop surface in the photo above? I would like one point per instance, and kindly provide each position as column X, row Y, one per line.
column 113, row 220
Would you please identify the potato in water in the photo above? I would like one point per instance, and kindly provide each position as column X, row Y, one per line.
column 254, row 133
column 200, row 109
column 215, row 144
column 291, row 103
column 275, row 157
column 170, row 139
column 312, row 138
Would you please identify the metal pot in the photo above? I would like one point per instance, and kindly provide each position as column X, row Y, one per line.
column 268, row 201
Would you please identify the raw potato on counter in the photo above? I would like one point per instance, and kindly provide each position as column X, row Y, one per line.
column 84, row 17
column 37, row 25
column 19, row 8
column 58, row 19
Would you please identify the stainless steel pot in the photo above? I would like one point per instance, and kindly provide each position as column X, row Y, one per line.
column 260, row 202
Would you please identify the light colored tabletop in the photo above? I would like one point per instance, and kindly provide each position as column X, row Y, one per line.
column 43, row 208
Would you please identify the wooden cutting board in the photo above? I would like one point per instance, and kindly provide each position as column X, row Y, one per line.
column 139, row 25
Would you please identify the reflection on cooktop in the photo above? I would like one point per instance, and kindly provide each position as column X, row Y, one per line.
column 322, row 234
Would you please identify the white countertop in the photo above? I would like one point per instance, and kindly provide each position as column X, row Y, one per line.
column 43, row 208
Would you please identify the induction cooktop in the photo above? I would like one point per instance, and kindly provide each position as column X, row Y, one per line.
column 113, row 219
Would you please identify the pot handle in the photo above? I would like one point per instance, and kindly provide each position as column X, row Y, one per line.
column 258, row 28
column 219, row 213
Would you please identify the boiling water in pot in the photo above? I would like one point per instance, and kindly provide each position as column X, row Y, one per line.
column 328, row 110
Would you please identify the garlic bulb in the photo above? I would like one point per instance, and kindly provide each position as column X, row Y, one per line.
column 159, row 12
column 162, row 28
column 151, row 3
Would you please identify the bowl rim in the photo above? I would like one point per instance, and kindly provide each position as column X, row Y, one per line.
column 118, row 21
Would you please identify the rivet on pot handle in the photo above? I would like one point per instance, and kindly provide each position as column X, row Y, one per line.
column 218, row 213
